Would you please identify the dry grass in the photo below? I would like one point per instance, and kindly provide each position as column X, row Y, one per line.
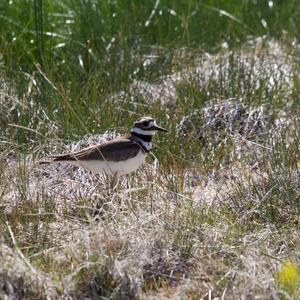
column 220, row 230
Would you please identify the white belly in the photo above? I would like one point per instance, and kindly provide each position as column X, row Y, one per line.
column 111, row 167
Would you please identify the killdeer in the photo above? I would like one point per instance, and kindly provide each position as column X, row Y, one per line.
column 116, row 157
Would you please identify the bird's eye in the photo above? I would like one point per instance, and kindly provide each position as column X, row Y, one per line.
column 146, row 123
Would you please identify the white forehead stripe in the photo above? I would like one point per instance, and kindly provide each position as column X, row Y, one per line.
column 143, row 120
column 142, row 131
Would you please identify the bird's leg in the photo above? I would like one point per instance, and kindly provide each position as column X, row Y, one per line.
column 99, row 199
column 128, row 182
column 107, row 195
column 114, row 181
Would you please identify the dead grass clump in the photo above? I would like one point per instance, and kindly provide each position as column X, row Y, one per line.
column 176, row 247
column 261, row 68
column 19, row 279
column 272, row 196
column 218, row 121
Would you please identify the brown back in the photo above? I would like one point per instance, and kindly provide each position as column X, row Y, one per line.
column 121, row 148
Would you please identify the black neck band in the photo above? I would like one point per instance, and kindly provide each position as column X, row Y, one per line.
column 145, row 138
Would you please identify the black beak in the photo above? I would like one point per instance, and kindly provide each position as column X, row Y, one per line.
column 158, row 128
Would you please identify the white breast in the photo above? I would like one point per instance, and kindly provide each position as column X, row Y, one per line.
column 111, row 167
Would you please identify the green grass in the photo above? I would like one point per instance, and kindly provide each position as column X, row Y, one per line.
column 47, row 40
column 217, row 215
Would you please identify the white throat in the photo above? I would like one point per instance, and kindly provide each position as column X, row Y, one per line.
column 147, row 145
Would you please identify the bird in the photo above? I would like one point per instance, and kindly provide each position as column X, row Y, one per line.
column 115, row 157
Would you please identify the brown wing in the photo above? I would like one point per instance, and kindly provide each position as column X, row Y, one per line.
column 116, row 150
